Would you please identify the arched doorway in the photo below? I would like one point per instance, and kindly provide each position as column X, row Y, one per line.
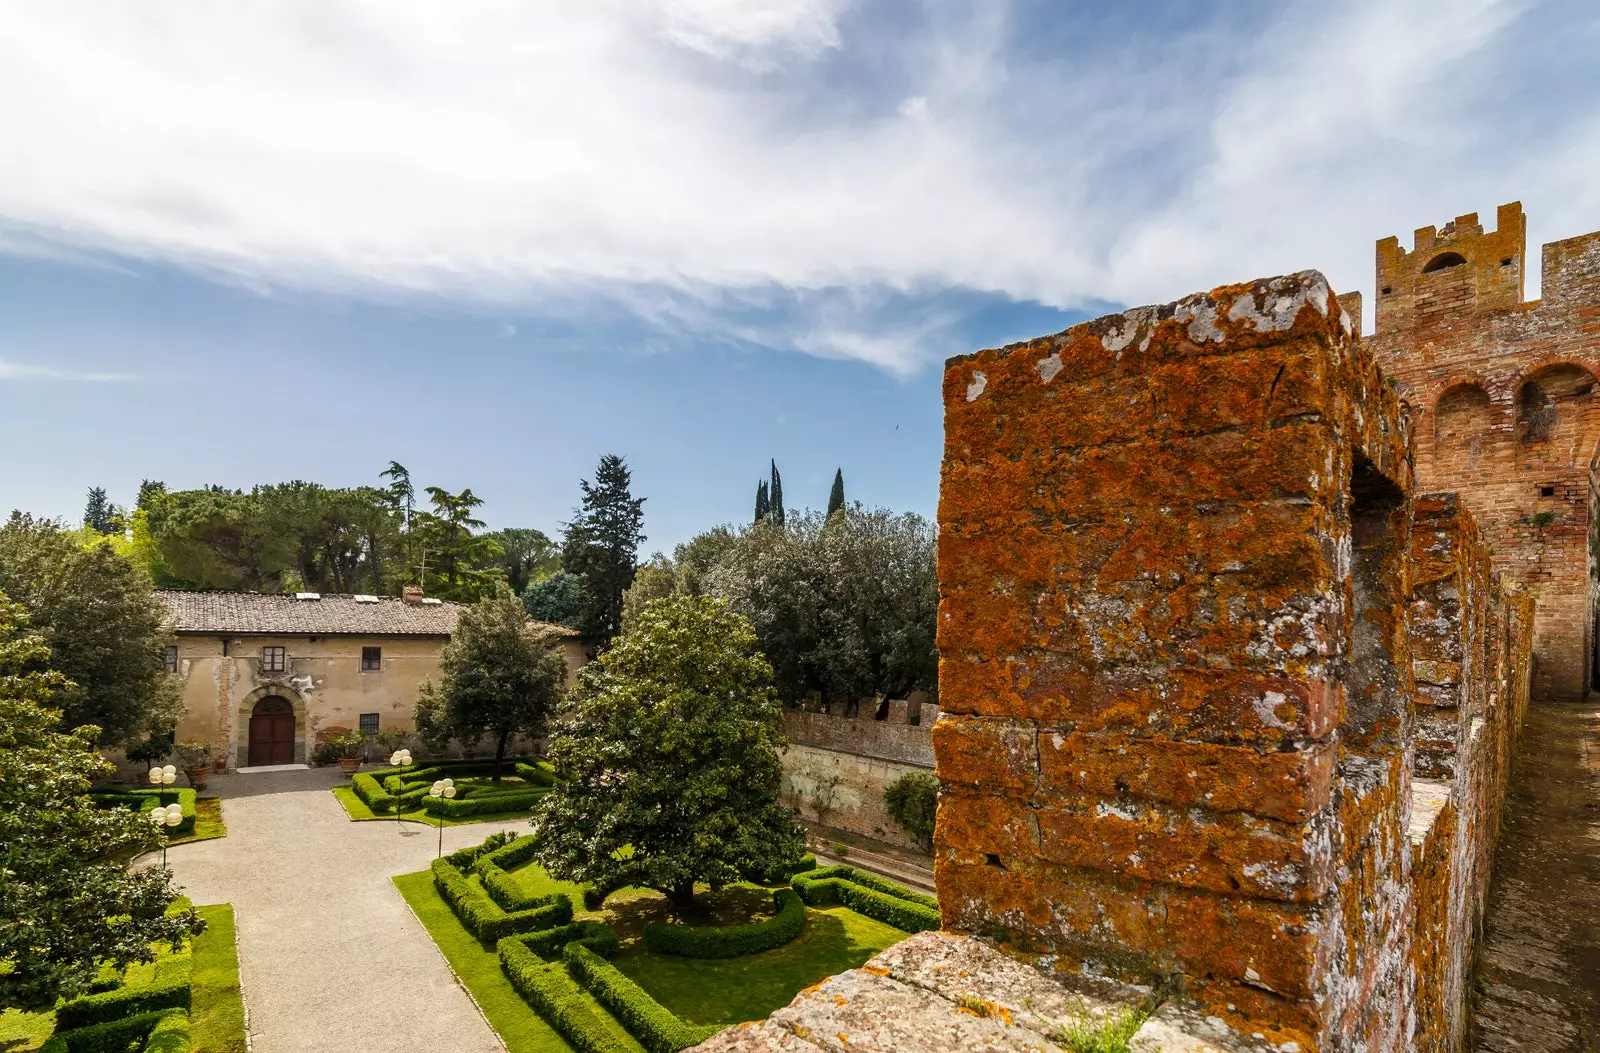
column 271, row 732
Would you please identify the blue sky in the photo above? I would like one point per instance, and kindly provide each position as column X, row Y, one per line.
column 496, row 241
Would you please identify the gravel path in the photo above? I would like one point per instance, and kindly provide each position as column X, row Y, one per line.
column 330, row 956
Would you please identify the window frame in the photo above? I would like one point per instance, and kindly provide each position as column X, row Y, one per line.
column 361, row 723
column 172, row 658
column 372, row 659
column 274, row 658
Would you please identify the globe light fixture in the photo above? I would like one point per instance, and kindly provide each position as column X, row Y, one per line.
column 165, row 775
column 165, row 819
column 400, row 758
column 443, row 789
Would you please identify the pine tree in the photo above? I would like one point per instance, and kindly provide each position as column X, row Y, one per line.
column 98, row 513
column 763, row 505
column 775, row 495
column 836, row 496
column 602, row 544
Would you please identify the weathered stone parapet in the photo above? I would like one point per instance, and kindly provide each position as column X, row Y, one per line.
column 1175, row 680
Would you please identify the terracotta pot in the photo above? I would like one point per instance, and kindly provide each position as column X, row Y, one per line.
column 349, row 764
column 198, row 776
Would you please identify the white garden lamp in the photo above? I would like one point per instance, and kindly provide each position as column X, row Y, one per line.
column 165, row 775
column 445, row 789
column 165, row 819
column 400, row 758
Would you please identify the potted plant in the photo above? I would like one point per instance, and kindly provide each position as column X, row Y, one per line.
column 351, row 747
column 196, row 759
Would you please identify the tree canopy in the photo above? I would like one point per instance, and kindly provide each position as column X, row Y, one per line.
column 66, row 907
column 602, row 545
column 499, row 677
column 105, row 629
column 671, row 750
column 845, row 606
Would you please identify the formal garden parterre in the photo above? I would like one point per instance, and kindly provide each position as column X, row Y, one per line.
column 622, row 973
column 403, row 792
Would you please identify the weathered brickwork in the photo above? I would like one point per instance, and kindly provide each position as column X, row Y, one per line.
column 1180, row 707
column 836, row 768
column 1502, row 393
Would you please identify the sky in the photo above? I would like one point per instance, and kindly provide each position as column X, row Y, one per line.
column 243, row 244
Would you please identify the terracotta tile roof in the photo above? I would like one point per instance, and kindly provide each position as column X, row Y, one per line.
column 331, row 615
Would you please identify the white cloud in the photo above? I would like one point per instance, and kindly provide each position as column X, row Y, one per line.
column 686, row 157
column 23, row 371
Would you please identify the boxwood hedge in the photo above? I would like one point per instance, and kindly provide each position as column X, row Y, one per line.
column 556, row 996
column 732, row 941
column 170, row 990
column 141, row 800
column 485, row 918
column 868, row 894
column 656, row 1027
column 113, row 1036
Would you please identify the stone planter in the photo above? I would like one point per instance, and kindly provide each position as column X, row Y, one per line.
column 198, row 776
column 349, row 764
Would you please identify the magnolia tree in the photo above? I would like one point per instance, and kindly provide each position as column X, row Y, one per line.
column 67, row 906
column 670, row 757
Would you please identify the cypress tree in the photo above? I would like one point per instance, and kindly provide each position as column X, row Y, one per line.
column 776, row 495
column 98, row 511
column 763, row 506
column 836, row 497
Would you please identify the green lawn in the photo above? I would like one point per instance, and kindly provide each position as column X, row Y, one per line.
column 519, row 1027
column 207, row 822
column 732, row 990
column 22, row 1031
column 357, row 810
column 216, row 1006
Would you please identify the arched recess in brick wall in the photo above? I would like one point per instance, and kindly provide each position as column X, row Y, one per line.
column 1462, row 418
column 1554, row 412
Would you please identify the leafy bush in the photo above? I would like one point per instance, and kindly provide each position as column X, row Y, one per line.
column 542, row 773
column 170, row 990
column 866, row 894
column 656, row 1027
column 781, row 874
column 732, row 941
column 485, row 918
column 142, row 800
column 913, row 801
column 113, row 1036
column 552, row 992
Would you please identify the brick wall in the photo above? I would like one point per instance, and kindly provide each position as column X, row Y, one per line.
column 837, row 768
column 1502, row 394
column 1180, row 709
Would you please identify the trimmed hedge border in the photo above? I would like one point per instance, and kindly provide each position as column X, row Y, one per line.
column 732, row 941
column 170, row 1035
column 501, row 886
column 485, row 918
column 147, row 800
column 482, row 803
column 656, row 1027
column 868, row 894
column 113, row 1036
column 781, row 875
column 540, row 773
column 379, row 790
column 169, row 991
column 550, row 989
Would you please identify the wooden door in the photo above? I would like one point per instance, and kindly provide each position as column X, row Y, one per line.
column 271, row 732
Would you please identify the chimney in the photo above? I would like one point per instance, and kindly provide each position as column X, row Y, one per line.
column 412, row 594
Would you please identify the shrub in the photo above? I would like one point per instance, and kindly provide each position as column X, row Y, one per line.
column 485, row 918
column 887, row 902
column 171, row 1033
column 371, row 791
column 500, row 885
column 780, row 875
column 913, row 801
column 147, row 800
column 542, row 773
column 732, row 941
column 656, row 1027
column 481, row 803
column 600, row 939
column 170, row 990
column 113, row 1036
column 552, row 992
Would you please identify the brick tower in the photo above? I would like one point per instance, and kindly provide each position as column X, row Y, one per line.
column 1502, row 395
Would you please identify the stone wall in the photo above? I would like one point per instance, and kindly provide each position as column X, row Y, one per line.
column 1180, row 704
column 1502, row 392
column 837, row 768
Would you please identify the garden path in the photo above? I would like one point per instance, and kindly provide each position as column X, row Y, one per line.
column 330, row 956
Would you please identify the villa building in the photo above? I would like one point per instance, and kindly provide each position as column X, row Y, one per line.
column 262, row 674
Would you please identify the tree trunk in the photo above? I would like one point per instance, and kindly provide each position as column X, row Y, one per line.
column 500, row 753
column 681, row 896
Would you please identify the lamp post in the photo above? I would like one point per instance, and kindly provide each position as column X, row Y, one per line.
column 400, row 758
column 165, row 819
column 446, row 789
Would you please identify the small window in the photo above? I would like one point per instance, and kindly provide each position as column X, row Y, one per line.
column 1547, row 491
column 369, row 724
column 1444, row 261
column 1387, row 290
column 371, row 659
column 272, row 660
column 1506, row 262
column 172, row 658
